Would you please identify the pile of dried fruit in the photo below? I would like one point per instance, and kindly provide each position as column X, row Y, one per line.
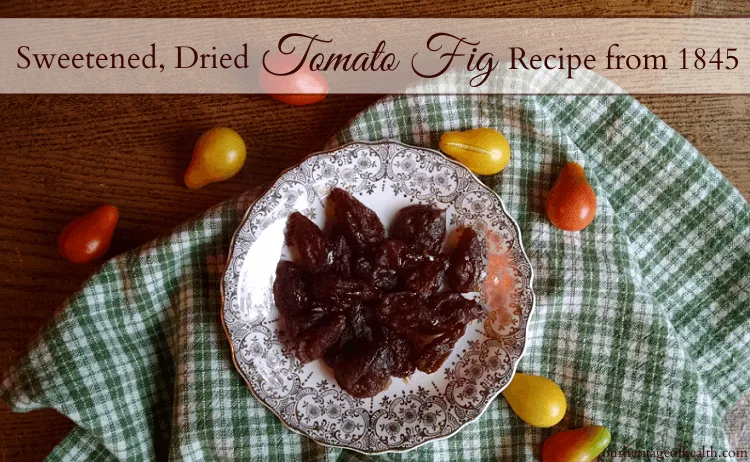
column 369, row 305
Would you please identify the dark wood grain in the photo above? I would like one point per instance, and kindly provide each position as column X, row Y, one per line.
column 64, row 155
column 716, row 125
column 61, row 156
column 346, row 8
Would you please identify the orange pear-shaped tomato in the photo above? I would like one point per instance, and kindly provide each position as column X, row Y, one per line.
column 579, row 445
column 299, row 88
column 571, row 204
column 88, row 237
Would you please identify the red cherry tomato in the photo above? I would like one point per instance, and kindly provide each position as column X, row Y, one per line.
column 571, row 204
column 88, row 237
column 299, row 89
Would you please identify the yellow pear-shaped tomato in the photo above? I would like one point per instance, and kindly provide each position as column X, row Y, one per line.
column 538, row 401
column 579, row 445
column 483, row 150
column 571, row 204
column 218, row 155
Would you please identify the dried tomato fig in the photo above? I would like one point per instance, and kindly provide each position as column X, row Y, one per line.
column 291, row 289
column 320, row 336
column 427, row 276
column 396, row 255
column 315, row 254
column 357, row 330
column 362, row 370
column 406, row 312
column 402, row 353
column 420, row 226
column 453, row 309
column 301, row 322
column 361, row 268
column 358, row 327
column 466, row 263
column 434, row 354
column 400, row 310
column 339, row 290
column 361, row 226
column 342, row 254
column 383, row 279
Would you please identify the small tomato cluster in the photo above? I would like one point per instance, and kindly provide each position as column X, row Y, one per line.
column 539, row 402
column 571, row 204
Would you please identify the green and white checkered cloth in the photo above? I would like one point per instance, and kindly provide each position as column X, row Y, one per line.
column 643, row 318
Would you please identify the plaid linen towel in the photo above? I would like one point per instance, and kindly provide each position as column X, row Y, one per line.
column 643, row 318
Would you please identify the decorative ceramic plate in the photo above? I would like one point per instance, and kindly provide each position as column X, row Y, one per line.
column 385, row 176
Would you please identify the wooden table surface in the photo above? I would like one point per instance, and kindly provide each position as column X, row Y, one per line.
column 64, row 155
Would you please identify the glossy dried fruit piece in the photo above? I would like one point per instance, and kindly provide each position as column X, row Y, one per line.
column 383, row 279
column 363, row 370
column 320, row 336
column 361, row 226
column 396, row 255
column 291, row 289
column 402, row 353
column 338, row 289
column 453, row 309
column 411, row 314
column 303, row 321
column 466, row 263
column 315, row 254
column 342, row 254
column 420, row 226
column 330, row 356
column 358, row 327
column 402, row 311
column 434, row 354
column 427, row 276
column 362, row 268
column 357, row 330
